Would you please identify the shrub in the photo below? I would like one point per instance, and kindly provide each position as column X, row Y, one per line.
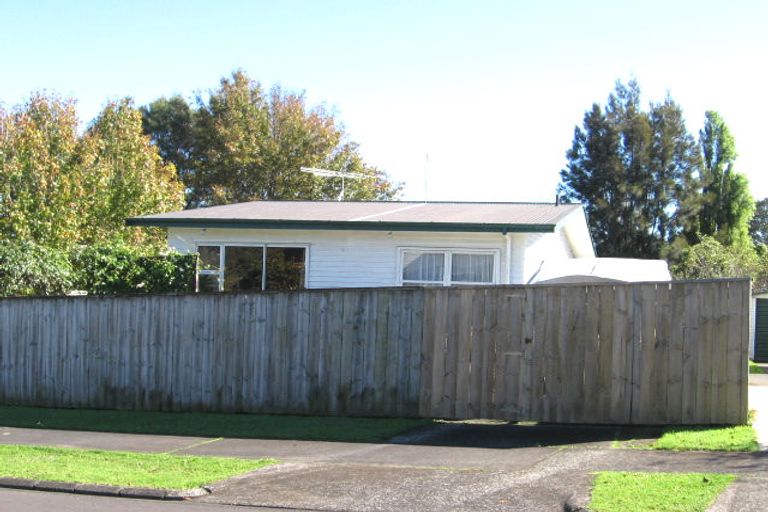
column 30, row 269
column 104, row 270
column 711, row 259
column 168, row 273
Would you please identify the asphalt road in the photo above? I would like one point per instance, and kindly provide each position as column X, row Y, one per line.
column 12, row 500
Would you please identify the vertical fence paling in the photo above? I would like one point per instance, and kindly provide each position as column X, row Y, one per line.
column 647, row 353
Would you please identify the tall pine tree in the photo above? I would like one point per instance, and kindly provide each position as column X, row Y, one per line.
column 635, row 172
column 674, row 188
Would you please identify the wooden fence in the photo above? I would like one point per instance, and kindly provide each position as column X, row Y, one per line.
column 651, row 353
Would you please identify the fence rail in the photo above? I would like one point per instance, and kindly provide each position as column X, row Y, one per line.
column 648, row 353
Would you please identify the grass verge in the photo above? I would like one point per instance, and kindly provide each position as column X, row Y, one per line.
column 156, row 470
column 754, row 367
column 740, row 438
column 658, row 492
column 261, row 426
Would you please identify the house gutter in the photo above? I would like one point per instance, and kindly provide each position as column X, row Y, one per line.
column 454, row 227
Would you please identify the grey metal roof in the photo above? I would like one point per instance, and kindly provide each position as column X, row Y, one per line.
column 389, row 215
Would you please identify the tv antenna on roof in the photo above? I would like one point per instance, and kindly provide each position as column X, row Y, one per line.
column 335, row 174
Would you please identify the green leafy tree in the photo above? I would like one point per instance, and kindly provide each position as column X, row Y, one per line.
column 243, row 143
column 728, row 204
column 758, row 226
column 635, row 172
column 169, row 122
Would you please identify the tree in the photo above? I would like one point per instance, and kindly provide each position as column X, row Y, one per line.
column 635, row 172
column 243, row 143
column 169, row 124
column 674, row 186
column 710, row 259
column 728, row 204
column 59, row 189
column 123, row 176
column 758, row 226
column 38, row 175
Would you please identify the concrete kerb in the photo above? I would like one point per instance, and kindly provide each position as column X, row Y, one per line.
column 104, row 490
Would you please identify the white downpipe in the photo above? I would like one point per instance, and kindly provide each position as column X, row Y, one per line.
column 508, row 277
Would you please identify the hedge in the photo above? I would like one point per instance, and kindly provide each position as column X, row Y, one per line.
column 122, row 269
column 27, row 268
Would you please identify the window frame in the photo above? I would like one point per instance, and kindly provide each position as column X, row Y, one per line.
column 448, row 253
column 263, row 245
column 409, row 282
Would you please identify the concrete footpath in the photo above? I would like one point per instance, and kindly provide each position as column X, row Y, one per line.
column 448, row 467
column 758, row 401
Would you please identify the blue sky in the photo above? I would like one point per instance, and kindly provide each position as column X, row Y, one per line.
column 490, row 90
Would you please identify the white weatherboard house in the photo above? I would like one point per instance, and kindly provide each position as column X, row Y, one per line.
column 267, row 245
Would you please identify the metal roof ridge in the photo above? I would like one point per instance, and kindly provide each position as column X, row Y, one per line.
column 404, row 208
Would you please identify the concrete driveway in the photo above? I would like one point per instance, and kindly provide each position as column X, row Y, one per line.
column 439, row 473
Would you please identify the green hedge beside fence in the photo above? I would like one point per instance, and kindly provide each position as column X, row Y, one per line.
column 27, row 268
column 122, row 269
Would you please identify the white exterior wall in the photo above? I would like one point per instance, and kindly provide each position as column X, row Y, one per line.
column 530, row 250
column 371, row 258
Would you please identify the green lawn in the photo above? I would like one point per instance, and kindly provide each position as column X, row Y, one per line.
column 262, row 426
column 754, row 367
column 741, row 438
column 657, row 492
column 156, row 470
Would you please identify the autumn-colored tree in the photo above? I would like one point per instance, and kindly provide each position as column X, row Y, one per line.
column 123, row 176
column 243, row 143
column 38, row 174
column 60, row 189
